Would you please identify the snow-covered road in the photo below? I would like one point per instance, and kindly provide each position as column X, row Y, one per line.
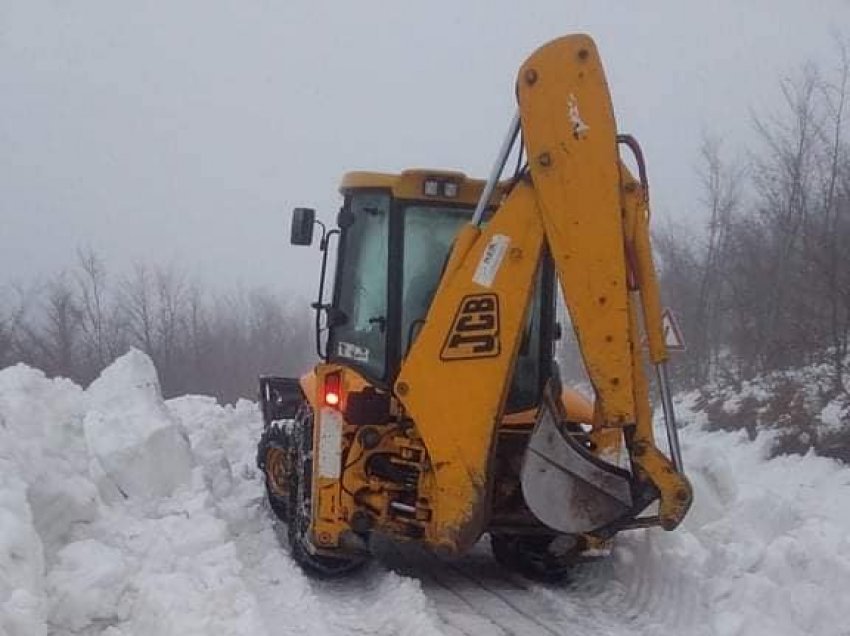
column 121, row 514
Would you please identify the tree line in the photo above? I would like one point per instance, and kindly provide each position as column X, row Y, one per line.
column 201, row 341
column 765, row 288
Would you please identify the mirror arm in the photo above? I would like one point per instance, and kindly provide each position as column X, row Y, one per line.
column 324, row 238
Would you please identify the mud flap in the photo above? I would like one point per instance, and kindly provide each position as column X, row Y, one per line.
column 565, row 486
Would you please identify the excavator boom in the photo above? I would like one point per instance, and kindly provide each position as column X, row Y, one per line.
column 575, row 201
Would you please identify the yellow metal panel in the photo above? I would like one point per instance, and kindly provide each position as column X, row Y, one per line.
column 675, row 492
column 637, row 215
column 577, row 407
column 456, row 403
column 328, row 519
column 569, row 129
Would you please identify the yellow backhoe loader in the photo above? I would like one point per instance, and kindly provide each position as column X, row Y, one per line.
column 437, row 413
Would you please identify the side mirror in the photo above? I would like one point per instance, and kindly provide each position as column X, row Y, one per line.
column 303, row 220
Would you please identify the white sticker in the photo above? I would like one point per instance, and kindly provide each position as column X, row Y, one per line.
column 491, row 260
column 352, row 352
column 330, row 443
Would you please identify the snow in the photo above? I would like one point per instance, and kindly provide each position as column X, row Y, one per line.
column 766, row 545
column 136, row 447
column 835, row 415
column 123, row 514
column 22, row 596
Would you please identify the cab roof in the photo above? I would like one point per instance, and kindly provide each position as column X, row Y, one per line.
column 411, row 184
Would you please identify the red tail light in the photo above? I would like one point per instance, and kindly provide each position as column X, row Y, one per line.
column 333, row 389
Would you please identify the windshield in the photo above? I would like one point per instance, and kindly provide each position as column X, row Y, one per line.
column 361, row 323
column 428, row 236
column 359, row 333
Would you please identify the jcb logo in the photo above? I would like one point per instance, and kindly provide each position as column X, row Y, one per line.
column 475, row 330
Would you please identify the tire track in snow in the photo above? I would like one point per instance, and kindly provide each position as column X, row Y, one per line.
column 466, row 597
column 624, row 594
column 510, row 597
column 634, row 591
column 459, row 614
column 504, row 603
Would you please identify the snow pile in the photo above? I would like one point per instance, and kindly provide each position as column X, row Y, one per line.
column 137, row 449
column 764, row 550
column 106, row 526
column 169, row 569
column 42, row 455
column 122, row 514
column 22, row 597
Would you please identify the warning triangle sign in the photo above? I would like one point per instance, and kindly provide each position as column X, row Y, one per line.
column 673, row 337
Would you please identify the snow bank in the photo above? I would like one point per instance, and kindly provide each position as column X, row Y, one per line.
column 22, row 598
column 121, row 515
column 765, row 550
column 166, row 569
column 42, row 455
column 135, row 444
column 772, row 536
column 107, row 526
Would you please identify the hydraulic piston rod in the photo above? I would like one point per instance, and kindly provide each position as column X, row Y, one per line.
column 495, row 173
column 669, row 416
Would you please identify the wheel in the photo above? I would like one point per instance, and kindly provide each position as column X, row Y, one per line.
column 278, row 481
column 274, row 458
column 299, row 507
column 547, row 558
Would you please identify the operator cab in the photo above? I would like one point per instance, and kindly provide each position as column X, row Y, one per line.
column 395, row 234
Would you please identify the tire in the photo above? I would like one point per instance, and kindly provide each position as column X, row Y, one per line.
column 546, row 558
column 298, row 506
column 274, row 458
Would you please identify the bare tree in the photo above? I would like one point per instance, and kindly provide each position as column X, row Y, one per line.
column 200, row 342
column 6, row 334
column 721, row 198
column 830, row 258
column 784, row 178
column 137, row 309
column 51, row 340
column 170, row 323
column 91, row 285
column 680, row 264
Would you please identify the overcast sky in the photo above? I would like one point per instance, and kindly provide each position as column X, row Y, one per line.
column 184, row 132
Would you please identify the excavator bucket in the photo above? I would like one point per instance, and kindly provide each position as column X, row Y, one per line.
column 566, row 487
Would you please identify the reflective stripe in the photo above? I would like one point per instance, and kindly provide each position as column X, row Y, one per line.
column 330, row 444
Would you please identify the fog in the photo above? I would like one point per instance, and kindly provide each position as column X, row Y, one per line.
column 184, row 133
